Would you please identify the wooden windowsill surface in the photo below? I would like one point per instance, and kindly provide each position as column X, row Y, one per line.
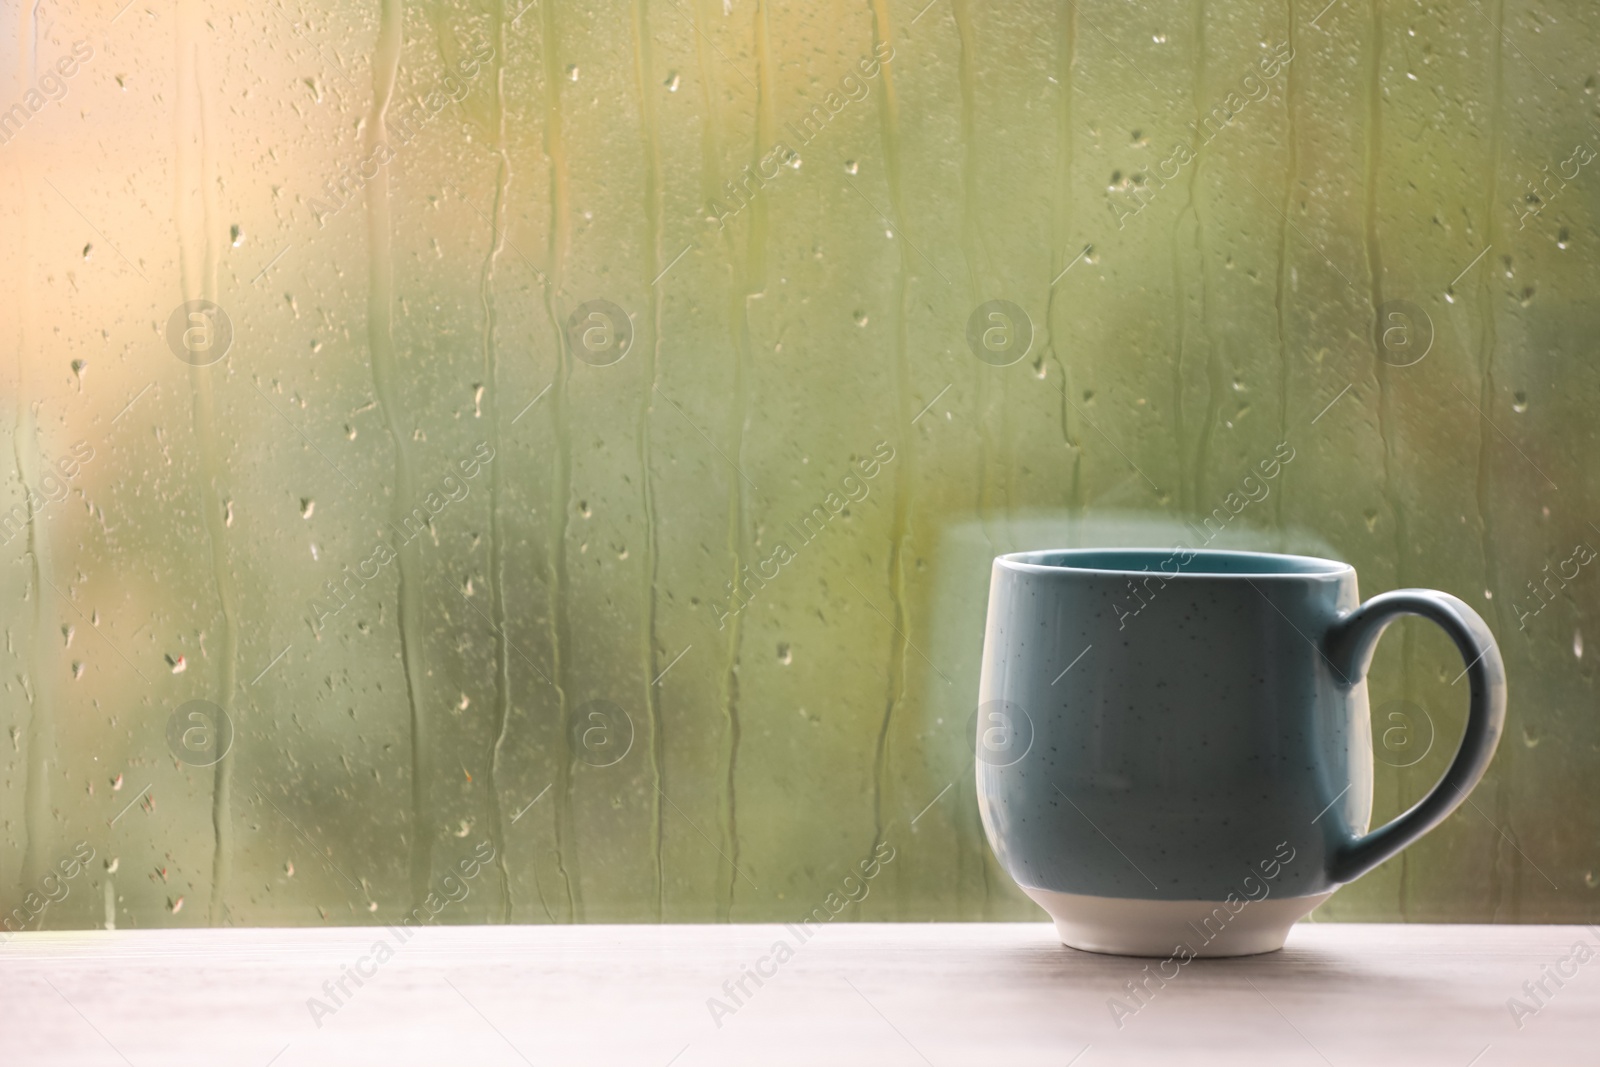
column 1001, row 994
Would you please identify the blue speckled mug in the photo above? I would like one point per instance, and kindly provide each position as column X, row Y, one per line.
column 1174, row 753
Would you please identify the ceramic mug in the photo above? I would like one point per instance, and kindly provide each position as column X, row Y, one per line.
column 1174, row 753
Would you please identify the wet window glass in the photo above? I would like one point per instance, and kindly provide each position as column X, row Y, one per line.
column 540, row 463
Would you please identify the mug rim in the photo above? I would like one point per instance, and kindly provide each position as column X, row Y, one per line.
column 1062, row 561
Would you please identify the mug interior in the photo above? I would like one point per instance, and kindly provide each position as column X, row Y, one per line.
column 1168, row 560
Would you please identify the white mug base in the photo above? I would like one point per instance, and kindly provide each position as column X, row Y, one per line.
column 1165, row 928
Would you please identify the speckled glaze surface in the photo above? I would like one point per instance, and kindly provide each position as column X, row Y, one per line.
column 1167, row 725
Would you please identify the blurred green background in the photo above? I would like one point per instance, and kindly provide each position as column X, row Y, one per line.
column 669, row 278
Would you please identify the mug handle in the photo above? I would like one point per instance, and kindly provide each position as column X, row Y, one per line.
column 1349, row 644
